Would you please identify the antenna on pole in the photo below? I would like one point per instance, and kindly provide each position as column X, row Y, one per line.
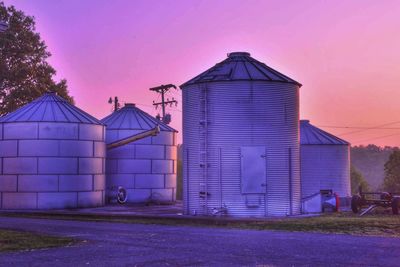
column 115, row 101
column 162, row 89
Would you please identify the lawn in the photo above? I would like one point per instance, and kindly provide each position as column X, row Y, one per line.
column 342, row 223
column 16, row 240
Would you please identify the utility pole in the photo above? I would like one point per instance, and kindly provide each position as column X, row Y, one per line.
column 162, row 89
column 115, row 101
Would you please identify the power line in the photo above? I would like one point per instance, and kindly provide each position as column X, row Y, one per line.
column 379, row 137
column 370, row 128
column 358, row 127
column 177, row 92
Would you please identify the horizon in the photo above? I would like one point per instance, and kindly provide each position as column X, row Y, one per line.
column 345, row 54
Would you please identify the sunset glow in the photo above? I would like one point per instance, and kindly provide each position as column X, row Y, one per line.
column 345, row 53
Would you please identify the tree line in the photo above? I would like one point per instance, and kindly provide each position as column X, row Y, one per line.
column 375, row 168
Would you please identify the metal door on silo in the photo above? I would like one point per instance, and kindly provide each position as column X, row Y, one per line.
column 253, row 170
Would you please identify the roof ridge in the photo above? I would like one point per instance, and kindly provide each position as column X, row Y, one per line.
column 38, row 111
column 229, row 65
column 121, row 119
column 312, row 135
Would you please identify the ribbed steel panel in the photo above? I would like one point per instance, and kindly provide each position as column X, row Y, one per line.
column 51, row 159
column 325, row 167
column 145, row 167
column 241, row 113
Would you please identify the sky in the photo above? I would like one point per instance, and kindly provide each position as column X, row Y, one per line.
column 345, row 53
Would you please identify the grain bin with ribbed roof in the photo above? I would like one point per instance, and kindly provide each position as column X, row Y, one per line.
column 52, row 155
column 145, row 168
column 325, row 162
column 241, row 140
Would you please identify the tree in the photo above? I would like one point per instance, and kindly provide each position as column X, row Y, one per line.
column 370, row 161
column 357, row 180
column 391, row 182
column 25, row 73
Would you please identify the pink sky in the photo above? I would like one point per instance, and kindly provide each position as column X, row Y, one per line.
column 345, row 53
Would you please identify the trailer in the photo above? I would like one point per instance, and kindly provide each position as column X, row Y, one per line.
column 372, row 200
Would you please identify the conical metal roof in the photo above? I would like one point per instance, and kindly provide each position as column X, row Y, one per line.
column 49, row 108
column 132, row 118
column 311, row 135
column 240, row 66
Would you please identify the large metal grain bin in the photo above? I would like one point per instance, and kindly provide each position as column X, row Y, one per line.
column 325, row 162
column 241, row 140
column 145, row 168
column 52, row 156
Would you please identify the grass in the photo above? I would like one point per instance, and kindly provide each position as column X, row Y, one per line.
column 342, row 223
column 16, row 240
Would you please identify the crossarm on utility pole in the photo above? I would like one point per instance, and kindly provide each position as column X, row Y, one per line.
column 162, row 90
column 135, row 137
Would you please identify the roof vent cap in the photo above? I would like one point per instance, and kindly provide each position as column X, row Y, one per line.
column 129, row 105
column 238, row 54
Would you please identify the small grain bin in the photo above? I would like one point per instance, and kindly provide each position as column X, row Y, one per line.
column 145, row 168
column 325, row 162
column 52, row 156
column 241, row 140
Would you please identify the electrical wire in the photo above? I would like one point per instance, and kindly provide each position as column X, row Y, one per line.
column 360, row 129
column 378, row 137
column 370, row 128
column 354, row 127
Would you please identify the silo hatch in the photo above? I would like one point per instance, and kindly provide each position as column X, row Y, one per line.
column 253, row 170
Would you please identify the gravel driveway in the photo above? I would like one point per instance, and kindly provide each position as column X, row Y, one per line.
column 117, row 244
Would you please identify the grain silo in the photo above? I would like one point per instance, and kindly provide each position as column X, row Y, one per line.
column 52, row 156
column 145, row 168
column 241, row 140
column 325, row 162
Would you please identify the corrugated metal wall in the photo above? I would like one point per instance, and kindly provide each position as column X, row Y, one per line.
column 325, row 167
column 220, row 118
column 51, row 165
column 145, row 168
